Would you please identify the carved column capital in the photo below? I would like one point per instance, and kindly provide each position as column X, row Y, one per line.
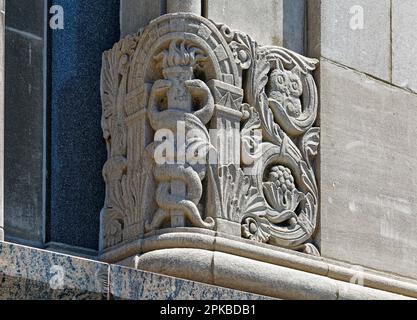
column 207, row 131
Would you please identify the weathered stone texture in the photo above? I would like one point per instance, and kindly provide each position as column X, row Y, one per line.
column 404, row 46
column 368, row 172
column 367, row 50
column 245, row 15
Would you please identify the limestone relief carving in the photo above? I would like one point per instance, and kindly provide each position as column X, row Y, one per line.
column 204, row 126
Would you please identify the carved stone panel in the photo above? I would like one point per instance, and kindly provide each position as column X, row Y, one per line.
column 208, row 130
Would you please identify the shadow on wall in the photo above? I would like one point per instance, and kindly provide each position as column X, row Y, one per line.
column 295, row 25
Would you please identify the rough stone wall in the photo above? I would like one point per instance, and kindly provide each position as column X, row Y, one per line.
column 368, row 115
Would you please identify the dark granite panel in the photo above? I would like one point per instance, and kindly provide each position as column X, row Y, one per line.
column 26, row 15
column 77, row 148
column 23, row 137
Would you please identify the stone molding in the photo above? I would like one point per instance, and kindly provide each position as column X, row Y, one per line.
column 243, row 250
column 235, row 272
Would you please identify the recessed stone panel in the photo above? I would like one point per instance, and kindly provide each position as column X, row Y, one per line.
column 24, row 105
column 26, row 16
column 294, row 25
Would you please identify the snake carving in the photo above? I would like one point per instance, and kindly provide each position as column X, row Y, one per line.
column 171, row 108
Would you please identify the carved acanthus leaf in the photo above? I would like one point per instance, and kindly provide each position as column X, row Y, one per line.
column 233, row 188
column 310, row 144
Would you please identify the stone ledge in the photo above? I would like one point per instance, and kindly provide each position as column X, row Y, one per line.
column 235, row 247
column 262, row 278
column 33, row 274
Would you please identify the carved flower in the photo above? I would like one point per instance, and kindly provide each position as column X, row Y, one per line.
column 252, row 230
column 180, row 54
column 282, row 177
column 280, row 190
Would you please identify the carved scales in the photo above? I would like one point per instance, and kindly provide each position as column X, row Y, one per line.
column 207, row 129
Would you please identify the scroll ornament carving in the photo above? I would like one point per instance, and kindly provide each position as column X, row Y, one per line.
column 171, row 96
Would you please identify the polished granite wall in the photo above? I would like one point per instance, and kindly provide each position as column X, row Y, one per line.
column 32, row 274
column 77, row 149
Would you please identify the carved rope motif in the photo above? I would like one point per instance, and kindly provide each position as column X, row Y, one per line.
column 183, row 73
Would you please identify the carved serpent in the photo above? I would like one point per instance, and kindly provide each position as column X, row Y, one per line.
column 165, row 173
column 167, row 201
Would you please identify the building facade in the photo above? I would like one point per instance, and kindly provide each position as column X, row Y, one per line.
column 208, row 148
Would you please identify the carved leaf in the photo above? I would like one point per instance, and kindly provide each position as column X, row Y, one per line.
column 309, row 179
column 255, row 230
column 255, row 203
column 280, row 200
column 310, row 144
column 233, row 187
column 251, row 136
column 290, row 58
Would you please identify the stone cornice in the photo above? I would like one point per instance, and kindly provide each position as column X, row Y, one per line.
column 206, row 240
